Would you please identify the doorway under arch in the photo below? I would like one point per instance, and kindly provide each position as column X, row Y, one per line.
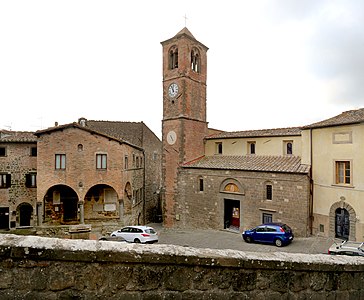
column 61, row 205
column 342, row 221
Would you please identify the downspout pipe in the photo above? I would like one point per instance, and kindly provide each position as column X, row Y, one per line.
column 311, row 185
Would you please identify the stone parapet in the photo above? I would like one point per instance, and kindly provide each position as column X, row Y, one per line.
column 49, row 268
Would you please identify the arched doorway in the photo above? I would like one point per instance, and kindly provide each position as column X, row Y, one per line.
column 101, row 202
column 61, row 205
column 24, row 211
column 342, row 223
column 232, row 192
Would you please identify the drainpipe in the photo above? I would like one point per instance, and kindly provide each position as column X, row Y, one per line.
column 311, row 185
column 144, row 220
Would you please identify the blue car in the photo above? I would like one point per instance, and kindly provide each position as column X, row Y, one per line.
column 278, row 234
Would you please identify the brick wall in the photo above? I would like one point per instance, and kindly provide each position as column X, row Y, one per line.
column 81, row 173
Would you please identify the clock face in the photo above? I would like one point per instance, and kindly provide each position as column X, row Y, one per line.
column 173, row 90
column 171, row 137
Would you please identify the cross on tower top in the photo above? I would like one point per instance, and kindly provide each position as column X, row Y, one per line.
column 185, row 17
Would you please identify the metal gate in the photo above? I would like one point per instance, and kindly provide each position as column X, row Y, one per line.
column 342, row 223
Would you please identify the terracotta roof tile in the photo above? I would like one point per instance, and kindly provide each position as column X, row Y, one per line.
column 284, row 164
column 347, row 117
column 7, row 136
column 291, row 131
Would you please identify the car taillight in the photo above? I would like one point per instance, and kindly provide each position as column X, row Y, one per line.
column 281, row 229
column 145, row 234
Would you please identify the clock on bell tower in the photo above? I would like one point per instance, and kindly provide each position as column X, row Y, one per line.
column 184, row 125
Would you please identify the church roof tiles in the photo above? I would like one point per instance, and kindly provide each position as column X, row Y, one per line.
column 284, row 164
column 345, row 118
column 291, row 131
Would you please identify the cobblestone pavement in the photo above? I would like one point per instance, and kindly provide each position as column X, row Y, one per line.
column 224, row 239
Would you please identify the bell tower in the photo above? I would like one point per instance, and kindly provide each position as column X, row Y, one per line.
column 184, row 123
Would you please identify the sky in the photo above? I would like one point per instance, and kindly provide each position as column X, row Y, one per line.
column 271, row 63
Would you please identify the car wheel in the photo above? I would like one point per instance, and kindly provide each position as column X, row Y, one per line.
column 278, row 242
column 113, row 235
column 248, row 239
column 137, row 241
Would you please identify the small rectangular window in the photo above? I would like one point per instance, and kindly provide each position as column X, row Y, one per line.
column 2, row 151
column 251, row 147
column 343, row 173
column 288, row 147
column 5, row 181
column 201, row 184
column 60, row 161
column 33, row 151
column 267, row 218
column 218, row 148
column 31, row 180
column 126, row 163
column 101, row 161
column 269, row 195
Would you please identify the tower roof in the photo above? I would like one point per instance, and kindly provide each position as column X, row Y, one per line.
column 186, row 32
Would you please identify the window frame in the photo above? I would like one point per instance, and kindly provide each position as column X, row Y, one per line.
column 285, row 147
column 252, row 147
column 341, row 179
column 267, row 217
column 269, row 191
column 5, row 180
column 218, row 148
column 31, row 180
column 101, row 161
column 3, row 153
column 61, row 163
column 33, row 151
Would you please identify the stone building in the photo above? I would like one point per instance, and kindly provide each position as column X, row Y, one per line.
column 214, row 179
column 335, row 152
column 18, row 178
column 84, row 172
column 310, row 177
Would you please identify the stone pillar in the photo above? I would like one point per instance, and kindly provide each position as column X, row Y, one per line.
column 121, row 210
column 39, row 214
column 82, row 212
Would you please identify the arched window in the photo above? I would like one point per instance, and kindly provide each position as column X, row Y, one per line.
column 173, row 58
column 195, row 60
column 289, row 148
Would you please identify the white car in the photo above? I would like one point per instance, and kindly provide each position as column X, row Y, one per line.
column 137, row 234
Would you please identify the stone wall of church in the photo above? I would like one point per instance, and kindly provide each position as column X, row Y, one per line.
column 206, row 209
column 46, row 268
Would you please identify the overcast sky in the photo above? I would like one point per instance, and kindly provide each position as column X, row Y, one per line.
column 271, row 64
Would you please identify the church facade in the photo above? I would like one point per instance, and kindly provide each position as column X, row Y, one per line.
column 237, row 180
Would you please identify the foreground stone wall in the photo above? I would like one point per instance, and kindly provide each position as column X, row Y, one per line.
column 50, row 268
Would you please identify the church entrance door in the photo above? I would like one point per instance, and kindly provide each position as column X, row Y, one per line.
column 231, row 214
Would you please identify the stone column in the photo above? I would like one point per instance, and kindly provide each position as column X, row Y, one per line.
column 121, row 210
column 82, row 212
column 39, row 214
